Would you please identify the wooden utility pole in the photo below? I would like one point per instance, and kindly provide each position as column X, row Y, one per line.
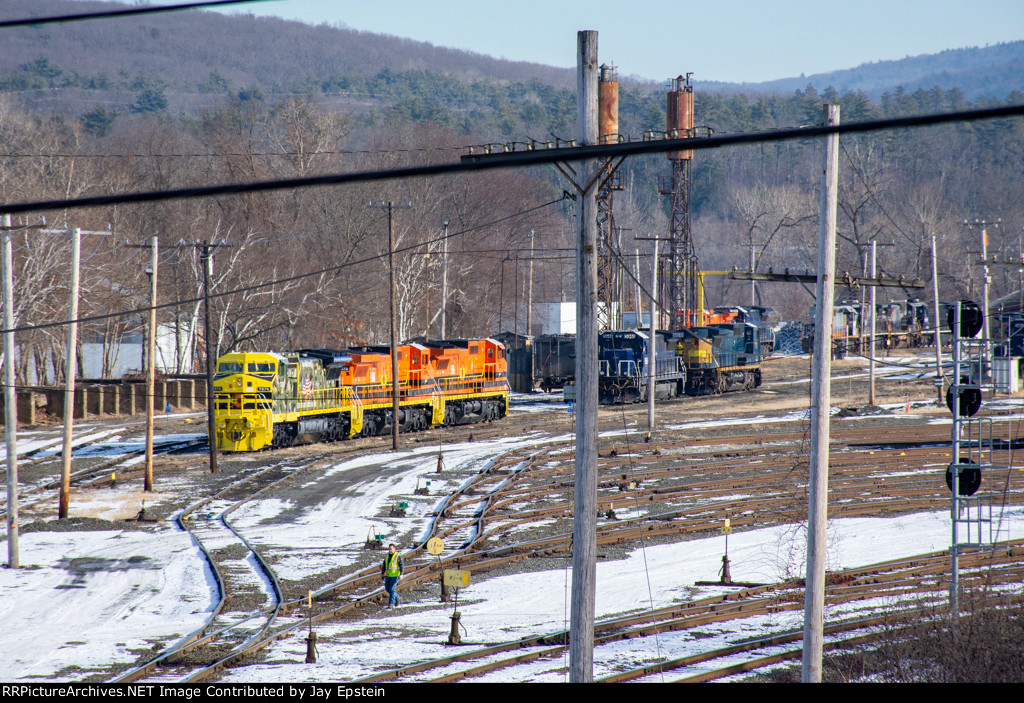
column 151, row 365
column 650, row 345
column 817, row 513
column 584, row 535
column 529, row 295
column 394, row 330
column 391, row 207
column 872, row 334
column 515, row 297
column 70, row 368
column 444, row 279
column 938, row 325
column 585, row 176
column 639, row 299
column 753, row 267
column 211, row 363
column 651, row 329
column 871, row 343
column 206, row 258
column 10, row 397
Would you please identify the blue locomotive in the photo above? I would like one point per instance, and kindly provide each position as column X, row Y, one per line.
column 622, row 366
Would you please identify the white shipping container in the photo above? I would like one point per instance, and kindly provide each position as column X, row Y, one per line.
column 560, row 318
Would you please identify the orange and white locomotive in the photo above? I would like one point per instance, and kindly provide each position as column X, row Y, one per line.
column 264, row 399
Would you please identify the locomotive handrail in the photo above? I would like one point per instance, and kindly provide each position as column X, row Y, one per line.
column 306, row 394
column 632, row 369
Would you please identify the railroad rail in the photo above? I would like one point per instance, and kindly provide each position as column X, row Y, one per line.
column 124, row 464
column 904, row 579
column 682, row 485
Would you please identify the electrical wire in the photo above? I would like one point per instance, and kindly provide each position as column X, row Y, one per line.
column 148, row 10
column 514, row 159
column 289, row 279
column 223, row 155
column 643, row 545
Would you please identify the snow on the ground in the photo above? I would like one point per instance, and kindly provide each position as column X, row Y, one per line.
column 796, row 416
column 47, row 444
column 537, row 402
column 315, row 539
column 85, row 600
column 509, row 607
column 82, row 601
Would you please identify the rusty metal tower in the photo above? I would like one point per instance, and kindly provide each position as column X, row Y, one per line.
column 682, row 269
column 608, row 246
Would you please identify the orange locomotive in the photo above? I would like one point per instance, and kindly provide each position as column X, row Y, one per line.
column 273, row 400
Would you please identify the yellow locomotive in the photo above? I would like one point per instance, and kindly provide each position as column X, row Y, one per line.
column 266, row 399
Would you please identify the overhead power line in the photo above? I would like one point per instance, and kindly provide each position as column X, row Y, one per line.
column 276, row 281
column 147, row 10
column 485, row 162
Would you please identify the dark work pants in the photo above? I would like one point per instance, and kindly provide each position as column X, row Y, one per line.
column 390, row 585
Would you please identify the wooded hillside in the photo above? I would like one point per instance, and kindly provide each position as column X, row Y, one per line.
column 233, row 113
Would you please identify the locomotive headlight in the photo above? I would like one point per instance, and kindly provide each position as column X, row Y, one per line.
column 223, row 424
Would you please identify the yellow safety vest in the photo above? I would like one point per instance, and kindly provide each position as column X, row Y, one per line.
column 392, row 569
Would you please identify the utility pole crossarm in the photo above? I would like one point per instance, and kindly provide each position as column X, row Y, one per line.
column 843, row 279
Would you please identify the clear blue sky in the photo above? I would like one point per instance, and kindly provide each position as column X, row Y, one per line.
column 731, row 40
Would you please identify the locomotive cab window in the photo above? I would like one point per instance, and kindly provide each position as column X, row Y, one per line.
column 229, row 367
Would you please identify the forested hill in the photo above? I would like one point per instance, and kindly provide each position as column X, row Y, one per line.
column 182, row 99
column 190, row 59
column 202, row 52
column 992, row 71
column 182, row 48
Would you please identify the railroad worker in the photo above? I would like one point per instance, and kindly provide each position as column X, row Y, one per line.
column 391, row 571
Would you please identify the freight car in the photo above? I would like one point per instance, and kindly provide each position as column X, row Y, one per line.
column 520, row 357
column 623, row 370
column 267, row 399
column 719, row 358
column 554, row 361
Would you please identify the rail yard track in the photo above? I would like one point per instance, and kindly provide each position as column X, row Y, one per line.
column 919, row 581
column 517, row 506
column 125, row 464
column 507, row 508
